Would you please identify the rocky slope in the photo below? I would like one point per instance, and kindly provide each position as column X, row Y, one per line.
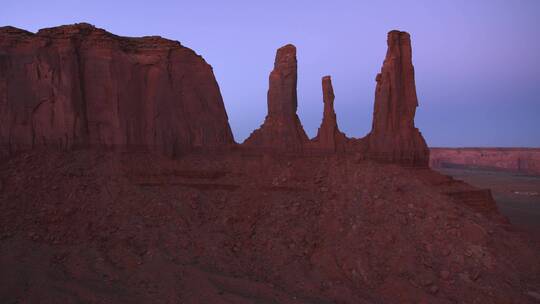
column 140, row 228
column 78, row 85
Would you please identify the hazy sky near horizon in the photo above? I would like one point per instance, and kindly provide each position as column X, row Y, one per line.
column 477, row 62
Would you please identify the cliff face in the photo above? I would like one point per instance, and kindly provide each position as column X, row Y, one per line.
column 328, row 136
column 281, row 130
column 78, row 85
column 393, row 136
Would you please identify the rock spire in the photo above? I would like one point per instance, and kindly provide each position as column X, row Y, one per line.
column 394, row 136
column 328, row 136
column 281, row 130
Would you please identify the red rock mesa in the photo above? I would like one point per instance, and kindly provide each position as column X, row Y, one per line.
column 523, row 160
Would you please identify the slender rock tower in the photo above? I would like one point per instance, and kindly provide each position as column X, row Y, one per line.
column 328, row 136
column 281, row 130
column 393, row 136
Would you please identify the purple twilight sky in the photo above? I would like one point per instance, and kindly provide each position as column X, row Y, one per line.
column 477, row 62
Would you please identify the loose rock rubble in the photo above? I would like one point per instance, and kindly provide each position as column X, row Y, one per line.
column 90, row 226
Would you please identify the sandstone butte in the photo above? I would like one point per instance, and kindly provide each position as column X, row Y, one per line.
column 79, row 86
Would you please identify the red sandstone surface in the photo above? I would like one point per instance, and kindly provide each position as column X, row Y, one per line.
column 523, row 160
column 266, row 221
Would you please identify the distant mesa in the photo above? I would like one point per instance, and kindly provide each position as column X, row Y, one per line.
column 519, row 160
column 81, row 86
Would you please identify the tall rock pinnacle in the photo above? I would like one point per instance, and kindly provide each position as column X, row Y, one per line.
column 393, row 136
column 281, row 129
column 329, row 137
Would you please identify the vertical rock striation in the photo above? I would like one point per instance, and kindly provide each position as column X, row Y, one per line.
column 78, row 85
column 393, row 136
column 328, row 136
column 281, row 130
